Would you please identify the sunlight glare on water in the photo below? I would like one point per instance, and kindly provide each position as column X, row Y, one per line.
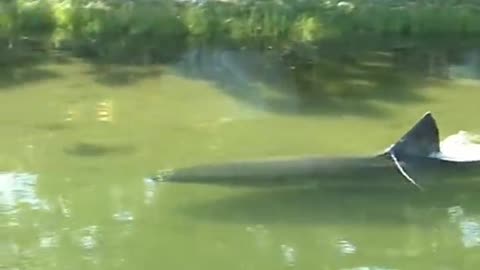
column 469, row 226
column 17, row 189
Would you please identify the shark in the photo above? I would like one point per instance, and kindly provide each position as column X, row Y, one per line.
column 418, row 150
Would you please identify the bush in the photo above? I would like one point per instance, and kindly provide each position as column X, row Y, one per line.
column 119, row 30
column 35, row 18
column 150, row 30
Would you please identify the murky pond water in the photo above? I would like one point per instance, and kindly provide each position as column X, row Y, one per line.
column 74, row 192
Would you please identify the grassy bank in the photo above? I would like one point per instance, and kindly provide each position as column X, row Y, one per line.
column 155, row 30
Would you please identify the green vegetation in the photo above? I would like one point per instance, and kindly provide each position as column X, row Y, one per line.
column 155, row 30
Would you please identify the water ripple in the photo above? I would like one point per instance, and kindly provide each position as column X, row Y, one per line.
column 469, row 226
column 289, row 255
column 470, row 233
column 48, row 240
column 150, row 188
column 123, row 216
column 346, row 247
column 87, row 237
column 455, row 213
column 260, row 233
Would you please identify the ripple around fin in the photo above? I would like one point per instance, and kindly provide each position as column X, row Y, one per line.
column 462, row 146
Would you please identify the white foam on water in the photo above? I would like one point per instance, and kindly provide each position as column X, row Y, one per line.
column 462, row 146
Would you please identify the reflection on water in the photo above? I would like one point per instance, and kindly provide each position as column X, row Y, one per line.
column 346, row 247
column 92, row 240
column 468, row 225
column 470, row 233
column 16, row 191
column 64, row 208
column 468, row 67
column 87, row 237
column 289, row 255
column 150, row 190
column 455, row 213
column 22, row 209
column 123, row 216
column 49, row 240
column 325, row 81
column 261, row 235
column 252, row 77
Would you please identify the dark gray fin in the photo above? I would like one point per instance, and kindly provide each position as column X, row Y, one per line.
column 421, row 140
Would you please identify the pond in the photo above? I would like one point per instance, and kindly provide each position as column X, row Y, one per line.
column 79, row 140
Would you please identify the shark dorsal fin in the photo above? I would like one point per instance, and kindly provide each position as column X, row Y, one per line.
column 421, row 140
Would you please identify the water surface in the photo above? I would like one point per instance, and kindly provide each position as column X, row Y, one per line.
column 74, row 192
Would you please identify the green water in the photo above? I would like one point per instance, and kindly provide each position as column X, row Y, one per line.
column 91, row 207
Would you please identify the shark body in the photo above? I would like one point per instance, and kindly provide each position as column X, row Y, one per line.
column 418, row 149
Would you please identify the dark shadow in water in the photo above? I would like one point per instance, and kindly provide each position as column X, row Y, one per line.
column 335, row 77
column 13, row 77
column 118, row 75
column 53, row 126
column 22, row 66
column 93, row 150
column 333, row 206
